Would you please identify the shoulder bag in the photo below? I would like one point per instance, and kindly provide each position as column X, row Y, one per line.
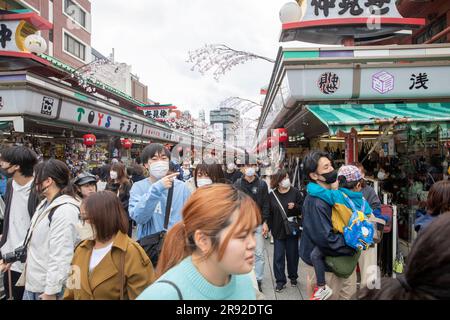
column 152, row 244
column 292, row 227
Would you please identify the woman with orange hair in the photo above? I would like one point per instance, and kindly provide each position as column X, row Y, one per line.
column 210, row 253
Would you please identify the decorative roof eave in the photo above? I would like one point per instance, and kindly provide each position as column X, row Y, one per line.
column 34, row 19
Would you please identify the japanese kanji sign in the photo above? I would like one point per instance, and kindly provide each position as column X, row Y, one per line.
column 320, row 9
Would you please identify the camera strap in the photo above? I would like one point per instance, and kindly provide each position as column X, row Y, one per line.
column 44, row 214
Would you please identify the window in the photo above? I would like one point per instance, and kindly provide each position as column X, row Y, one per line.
column 74, row 47
column 75, row 12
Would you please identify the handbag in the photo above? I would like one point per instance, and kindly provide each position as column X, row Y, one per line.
column 343, row 266
column 292, row 227
column 152, row 244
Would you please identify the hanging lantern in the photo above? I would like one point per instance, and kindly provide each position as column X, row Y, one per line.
column 89, row 140
column 127, row 144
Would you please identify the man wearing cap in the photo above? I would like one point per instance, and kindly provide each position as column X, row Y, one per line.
column 85, row 184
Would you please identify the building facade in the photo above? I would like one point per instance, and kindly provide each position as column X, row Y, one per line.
column 70, row 39
column 229, row 119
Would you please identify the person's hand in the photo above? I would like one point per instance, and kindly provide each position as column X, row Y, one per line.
column 291, row 205
column 265, row 229
column 167, row 181
column 335, row 185
column 4, row 267
column 47, row 296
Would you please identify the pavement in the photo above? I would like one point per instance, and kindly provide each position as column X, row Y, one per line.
column 269, row 283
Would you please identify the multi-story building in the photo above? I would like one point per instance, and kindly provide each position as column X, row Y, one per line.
column 229, row 118
column 70, row 39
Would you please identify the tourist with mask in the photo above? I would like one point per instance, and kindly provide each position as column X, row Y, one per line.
column 210, row 253
column 120, row 184
column 285, row 205
column 85, row 184
column 53, row 235
column 186, row 171
column 258, row 190
column 205, row 175
column 108, row 265
column 232, row 174
column 21, row 200
column 318, row 229
column 148, row 198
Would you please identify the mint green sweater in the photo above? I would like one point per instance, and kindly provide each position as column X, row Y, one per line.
column 194, row 286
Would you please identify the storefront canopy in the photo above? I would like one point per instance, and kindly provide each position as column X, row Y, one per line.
column 343, row 118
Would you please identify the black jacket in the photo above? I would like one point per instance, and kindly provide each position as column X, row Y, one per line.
column 233, row 177
column 318, row 231
column 259, row 192
column 124, row 193
column 276, row 220
column 33, row 202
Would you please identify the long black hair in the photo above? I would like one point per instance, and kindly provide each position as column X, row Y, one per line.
column 427, row 271
column 59, row 172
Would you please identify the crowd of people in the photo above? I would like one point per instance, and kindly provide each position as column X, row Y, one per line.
column 200, row 231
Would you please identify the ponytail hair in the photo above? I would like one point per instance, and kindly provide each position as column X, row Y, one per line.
column 427, row 270
column 211, row 217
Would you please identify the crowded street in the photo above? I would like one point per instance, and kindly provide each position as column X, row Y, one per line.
column 218, row 151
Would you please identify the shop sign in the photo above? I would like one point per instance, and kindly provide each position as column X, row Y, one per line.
column 323, row 9
column 95, row 118
column 29, row 102
column 403, row 82
column 151, row 132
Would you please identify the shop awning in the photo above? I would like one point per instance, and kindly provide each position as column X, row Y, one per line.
column 427, row 116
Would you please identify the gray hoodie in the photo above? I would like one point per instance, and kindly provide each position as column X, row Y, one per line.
column 52, row 245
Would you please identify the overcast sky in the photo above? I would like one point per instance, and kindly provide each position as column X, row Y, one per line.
column 155, row 36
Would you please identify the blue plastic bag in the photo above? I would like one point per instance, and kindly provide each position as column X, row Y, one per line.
column 359, row 233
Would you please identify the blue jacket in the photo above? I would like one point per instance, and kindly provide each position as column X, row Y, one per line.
column 147, row 205
column 423, row 219
column 318, row 231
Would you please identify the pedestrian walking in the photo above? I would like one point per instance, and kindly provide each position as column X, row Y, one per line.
column 21, row 200
column 148, row 198
column 285, row 205
column 318, row 229
column 85, row 184
column 119, row 184
column 205, row 175
column 109, row 265
column 52, row 237
column 232, row 174
column 258, row 190
column 438, row 203
column 210, row 253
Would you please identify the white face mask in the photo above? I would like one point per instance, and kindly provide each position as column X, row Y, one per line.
column 381, row 175
column 231, row 166
column 159, row 169
column 250, row 172
column 85, row 231
column 113, row 175
column 204, row 182
column 286, row 183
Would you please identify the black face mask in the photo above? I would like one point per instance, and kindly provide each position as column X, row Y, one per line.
column 330, row 177
column 6, row 173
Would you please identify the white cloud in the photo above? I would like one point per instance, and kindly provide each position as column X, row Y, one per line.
column 155, row 37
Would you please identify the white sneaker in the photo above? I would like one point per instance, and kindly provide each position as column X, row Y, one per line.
column 323, row 293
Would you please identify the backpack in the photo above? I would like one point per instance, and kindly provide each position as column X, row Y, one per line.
column 359, row 233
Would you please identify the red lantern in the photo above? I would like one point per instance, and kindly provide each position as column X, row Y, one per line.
column 127, row 144
column 89, row 140
column 281, row 134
